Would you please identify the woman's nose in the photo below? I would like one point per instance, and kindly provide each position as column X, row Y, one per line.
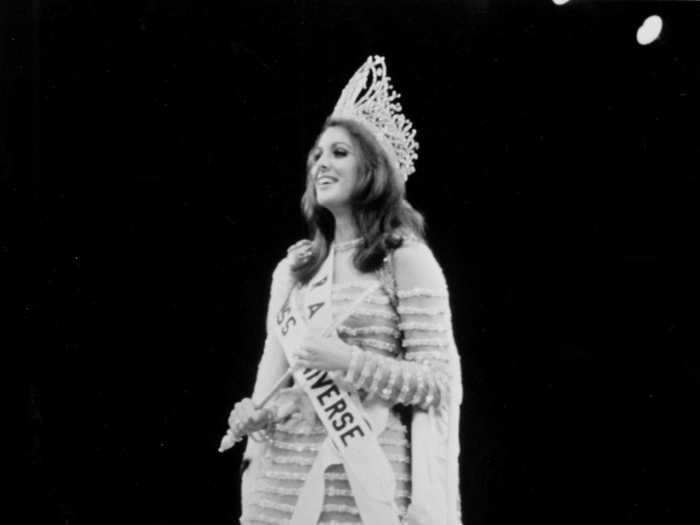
column 323, row 162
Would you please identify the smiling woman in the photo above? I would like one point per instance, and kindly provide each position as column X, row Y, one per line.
column 361, row 313
column 353, row 190
column 335, row 169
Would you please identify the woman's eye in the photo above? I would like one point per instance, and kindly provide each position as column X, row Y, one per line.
column 340, row 153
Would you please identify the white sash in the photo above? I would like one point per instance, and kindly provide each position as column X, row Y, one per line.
column 350, row 436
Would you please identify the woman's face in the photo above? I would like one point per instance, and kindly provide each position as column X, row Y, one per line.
column 335, row 163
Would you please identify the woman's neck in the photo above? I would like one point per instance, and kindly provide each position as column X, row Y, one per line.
column 345, row 228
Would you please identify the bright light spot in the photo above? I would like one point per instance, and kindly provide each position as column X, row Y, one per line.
column 560, row 2
column 649, row 30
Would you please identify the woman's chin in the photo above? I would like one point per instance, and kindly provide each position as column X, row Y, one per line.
column 331, row 203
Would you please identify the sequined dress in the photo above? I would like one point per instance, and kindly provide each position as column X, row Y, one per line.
column 403, row 330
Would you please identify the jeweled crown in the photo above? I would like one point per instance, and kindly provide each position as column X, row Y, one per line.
column 370, row 99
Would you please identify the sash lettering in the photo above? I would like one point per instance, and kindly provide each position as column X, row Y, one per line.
column 313, row 308
column 336, row 410
column 285, row 319
column 320, row 282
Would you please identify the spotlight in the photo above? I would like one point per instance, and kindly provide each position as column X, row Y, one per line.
column 649, row 30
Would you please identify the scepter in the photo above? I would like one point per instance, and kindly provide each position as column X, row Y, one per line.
column 229, row 439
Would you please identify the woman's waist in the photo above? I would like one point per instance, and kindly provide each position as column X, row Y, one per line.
column 294, row 411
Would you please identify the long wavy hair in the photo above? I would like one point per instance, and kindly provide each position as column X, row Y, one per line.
column 379, row 206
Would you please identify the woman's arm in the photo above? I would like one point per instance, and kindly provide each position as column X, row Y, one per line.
column 273, row 363
column 422, row 378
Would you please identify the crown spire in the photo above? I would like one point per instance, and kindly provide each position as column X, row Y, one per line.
column 370, row 99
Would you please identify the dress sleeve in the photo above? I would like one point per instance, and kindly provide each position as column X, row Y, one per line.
column 273, row 363
column 422, row 377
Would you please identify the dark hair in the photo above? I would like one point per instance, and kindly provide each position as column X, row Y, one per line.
column 381, row 212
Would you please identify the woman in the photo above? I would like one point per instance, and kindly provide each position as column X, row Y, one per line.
column 361, row 312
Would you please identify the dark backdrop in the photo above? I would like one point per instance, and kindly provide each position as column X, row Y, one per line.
column 153, row 156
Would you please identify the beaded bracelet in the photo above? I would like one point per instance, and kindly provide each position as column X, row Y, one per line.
column 419, row 386
column 389, row 387
column 352, row 366
column 406, row 384
column 429, row 397
column 374, row 385
column 366, row 368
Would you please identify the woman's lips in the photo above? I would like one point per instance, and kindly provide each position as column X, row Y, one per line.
column 325, row 180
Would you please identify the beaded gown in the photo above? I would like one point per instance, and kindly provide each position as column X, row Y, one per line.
column 403, row 330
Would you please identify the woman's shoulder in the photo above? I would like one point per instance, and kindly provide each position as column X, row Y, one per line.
column 410, row 248
column 416, row 265
column 282, row 274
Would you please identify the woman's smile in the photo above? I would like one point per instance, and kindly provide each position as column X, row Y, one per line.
column 325, row 180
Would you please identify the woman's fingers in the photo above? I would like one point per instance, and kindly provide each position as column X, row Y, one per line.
column 303, row 364
column 245, row 418
column 300, row 251
column 242, row 416
column 302, row 358
column 294, row 246
column 298, row 244
column 235, row 423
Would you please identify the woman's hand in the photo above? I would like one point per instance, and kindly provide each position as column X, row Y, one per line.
column 299, row 252
column 323, row 353
column 245, row 418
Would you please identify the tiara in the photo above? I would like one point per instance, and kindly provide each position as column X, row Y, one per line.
column 370, row 99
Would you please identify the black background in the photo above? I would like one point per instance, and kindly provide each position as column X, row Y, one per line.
column 153, row 156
